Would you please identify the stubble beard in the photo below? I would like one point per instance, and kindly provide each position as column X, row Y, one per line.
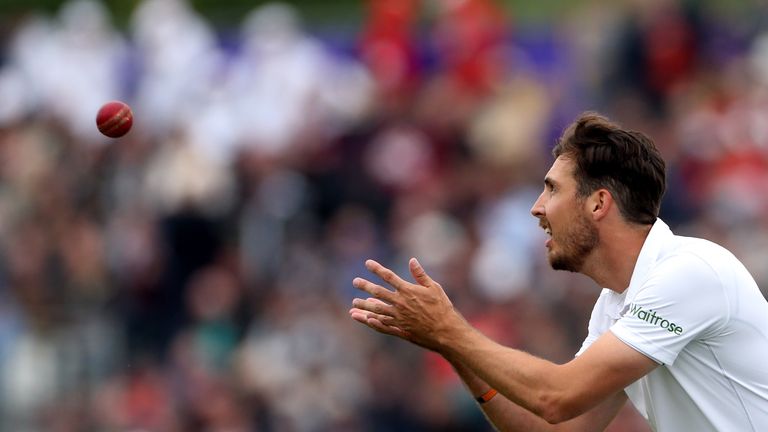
column 575, row 245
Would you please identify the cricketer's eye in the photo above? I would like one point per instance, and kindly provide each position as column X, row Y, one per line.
column 550, row 187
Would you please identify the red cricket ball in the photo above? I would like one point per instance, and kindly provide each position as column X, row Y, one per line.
column 114, row 119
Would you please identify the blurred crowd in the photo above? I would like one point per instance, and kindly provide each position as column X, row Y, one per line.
column 195, row 275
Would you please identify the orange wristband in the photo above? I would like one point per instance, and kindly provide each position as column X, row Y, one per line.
column 485, row 397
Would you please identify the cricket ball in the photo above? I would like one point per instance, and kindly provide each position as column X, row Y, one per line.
column 114, row 119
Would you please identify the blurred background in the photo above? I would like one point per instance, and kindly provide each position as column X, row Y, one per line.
column 195, row 275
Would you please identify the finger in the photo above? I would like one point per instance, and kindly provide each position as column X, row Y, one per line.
column 375, row 322
column 375, row 300
column 386, row 329
column 359, row 315
column 419, row 274
column 362, row 316
column 382, row 318
column 376, row 291
column 375, row 306
column 386, row 274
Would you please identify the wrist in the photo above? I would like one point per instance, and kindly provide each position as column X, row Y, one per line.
column 486, row 397
column 450, row 339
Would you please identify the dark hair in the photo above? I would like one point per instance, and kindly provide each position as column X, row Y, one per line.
column 624, row 162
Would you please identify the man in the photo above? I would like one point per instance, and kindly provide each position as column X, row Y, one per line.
column 680, row 327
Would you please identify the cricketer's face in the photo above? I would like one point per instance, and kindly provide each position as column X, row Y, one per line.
column 562, row 215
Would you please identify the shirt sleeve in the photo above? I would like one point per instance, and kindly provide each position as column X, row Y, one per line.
column 682, row 300
column 599, row 321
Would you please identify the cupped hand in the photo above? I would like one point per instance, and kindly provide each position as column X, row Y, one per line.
column 419, row 312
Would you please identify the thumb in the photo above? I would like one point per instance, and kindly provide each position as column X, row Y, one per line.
column 419, row 274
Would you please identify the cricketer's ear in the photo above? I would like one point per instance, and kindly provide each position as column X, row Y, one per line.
column 600, row 203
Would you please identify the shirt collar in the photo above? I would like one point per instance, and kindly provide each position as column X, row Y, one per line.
column 649, row 254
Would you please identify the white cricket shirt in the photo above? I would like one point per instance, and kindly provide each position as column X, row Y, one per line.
column 695, row 309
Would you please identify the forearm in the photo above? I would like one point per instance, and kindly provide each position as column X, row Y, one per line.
column 500, row 411
column 506, row 416
column 527, row 381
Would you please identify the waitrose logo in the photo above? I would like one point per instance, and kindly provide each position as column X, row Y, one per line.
column 650, row 317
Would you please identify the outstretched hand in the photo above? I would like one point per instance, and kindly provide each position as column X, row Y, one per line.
column 418, row 312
